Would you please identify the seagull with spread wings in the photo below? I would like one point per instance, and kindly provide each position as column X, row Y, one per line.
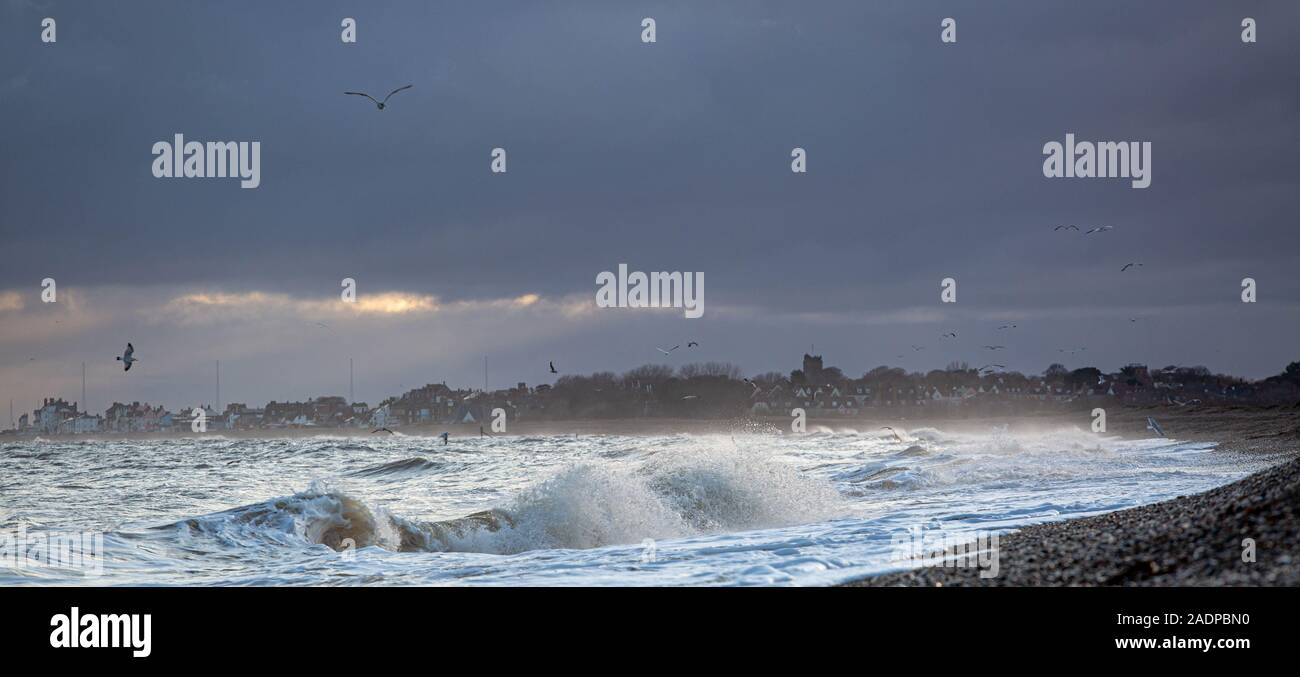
column 381, row 104
column 128, row 357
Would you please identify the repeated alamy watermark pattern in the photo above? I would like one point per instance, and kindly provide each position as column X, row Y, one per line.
column 929, row 546
column 653, row 290
column 81, row 551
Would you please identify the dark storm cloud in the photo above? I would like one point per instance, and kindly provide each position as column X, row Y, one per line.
column 924, row 159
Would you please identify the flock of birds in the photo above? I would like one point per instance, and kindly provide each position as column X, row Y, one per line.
column 1071, row 351
column 1099, row 229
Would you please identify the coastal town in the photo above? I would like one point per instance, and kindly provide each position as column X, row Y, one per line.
column 698, row 390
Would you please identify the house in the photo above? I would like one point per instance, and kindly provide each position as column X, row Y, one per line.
column 52, row 414
column 382, row 417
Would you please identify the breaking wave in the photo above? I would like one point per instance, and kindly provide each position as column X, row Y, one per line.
column 580, row 507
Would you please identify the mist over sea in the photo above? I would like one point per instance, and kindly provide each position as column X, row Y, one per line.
column 759, row 508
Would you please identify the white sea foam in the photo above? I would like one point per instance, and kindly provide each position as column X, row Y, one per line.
column 750, row 509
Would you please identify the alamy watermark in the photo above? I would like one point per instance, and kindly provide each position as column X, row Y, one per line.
column 81, row 551
column 653, row 290
column 213, row 160
column 922, row 546
column 1102, row 160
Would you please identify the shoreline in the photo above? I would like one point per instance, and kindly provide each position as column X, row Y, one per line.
column 1191, row 540
column 1195, row 423
column 1196, row 540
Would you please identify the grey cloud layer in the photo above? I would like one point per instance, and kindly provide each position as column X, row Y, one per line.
column 924, row 159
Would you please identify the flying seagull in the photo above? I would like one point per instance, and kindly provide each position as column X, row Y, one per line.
column 995, row 347
column 128, row 357
column 951, row 334
column 756, row 390
column 1099, row 229
column 991, row 367
column 1066, row 228
column 1007, row 326
column 692, row 344
column 553, row 368
column 381, row 430
column 691, row 397
column 669, row 350
column 384, row 103
column 1129, row 265
column 1152, row 425
column 916, row 348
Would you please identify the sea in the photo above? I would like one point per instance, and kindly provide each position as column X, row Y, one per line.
column 753, row 507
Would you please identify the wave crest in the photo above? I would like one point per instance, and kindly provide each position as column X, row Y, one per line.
column 673, row 495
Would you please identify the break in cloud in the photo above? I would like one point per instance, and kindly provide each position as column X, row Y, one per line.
column 924, row 163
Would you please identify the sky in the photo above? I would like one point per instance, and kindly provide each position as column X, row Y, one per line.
column 924, row 162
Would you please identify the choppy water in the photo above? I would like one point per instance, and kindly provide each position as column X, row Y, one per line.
column 567, row 510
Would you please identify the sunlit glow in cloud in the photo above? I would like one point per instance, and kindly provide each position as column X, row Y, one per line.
column 393, row 303
column 217, row 306
column 10, row 300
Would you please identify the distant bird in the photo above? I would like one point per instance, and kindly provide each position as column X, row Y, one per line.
column 1152, row 425
column 900, row 438
column 756, row 390
column 381, row 430
column 951, row 334
column 692, row 344
column 128, row 357
column 553, row 368
column 916, row 348
column 1066, row 228
column 691, row 397
column 1129, row 265
column 1132, row 319
column 1099, row 229
column 1007, row 326
column 996, row 347
column 384, row 103
column 669, row 350
column 991, row 367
